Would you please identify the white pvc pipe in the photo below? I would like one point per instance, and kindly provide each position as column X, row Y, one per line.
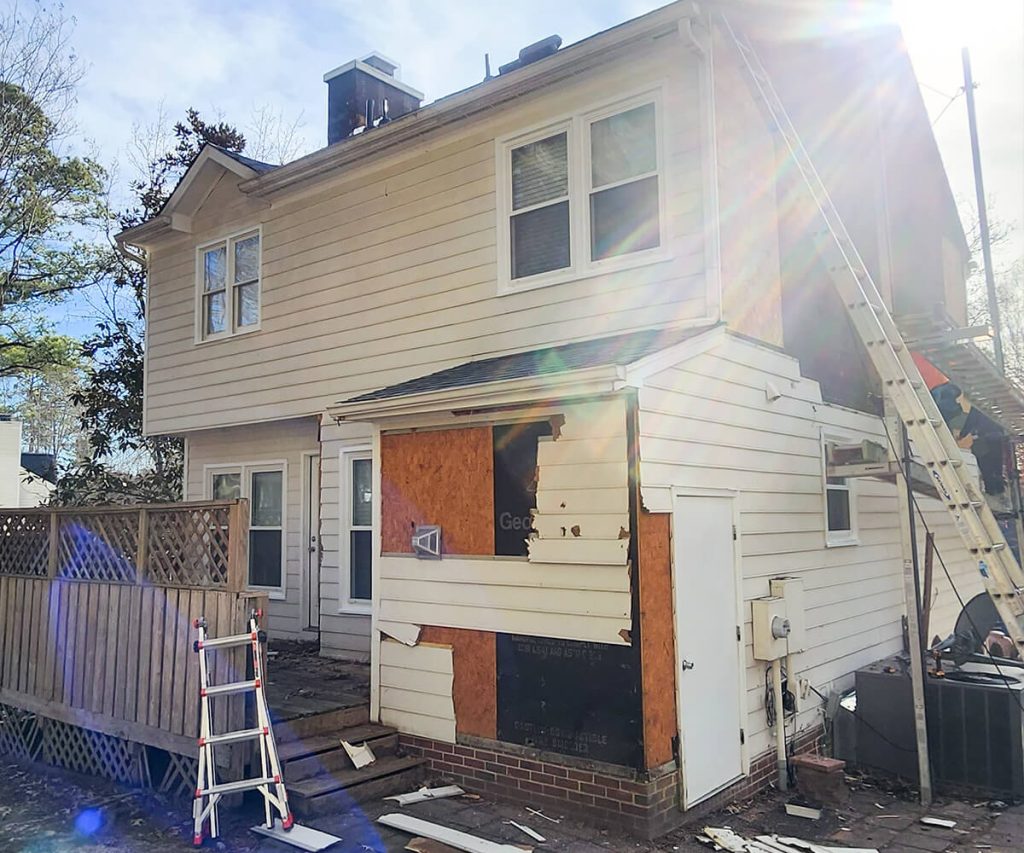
column 780, row 726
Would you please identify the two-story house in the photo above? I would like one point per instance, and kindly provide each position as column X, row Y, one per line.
column 530, row 391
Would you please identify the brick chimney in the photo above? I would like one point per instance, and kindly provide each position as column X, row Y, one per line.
column 366, row 93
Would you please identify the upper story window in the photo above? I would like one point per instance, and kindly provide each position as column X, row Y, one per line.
column 581, row 195
column 229, row 286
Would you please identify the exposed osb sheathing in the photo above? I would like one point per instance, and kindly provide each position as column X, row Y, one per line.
column 438, row 477
column 475, row 688
column 657, row 649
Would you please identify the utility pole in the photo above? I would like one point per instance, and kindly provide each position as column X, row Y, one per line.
column 986, row 242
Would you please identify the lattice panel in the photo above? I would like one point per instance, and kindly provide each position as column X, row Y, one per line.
column 24, row 543
column 20, row 735
column 98, row 546
column 189, row 548
column 85, row 751
column 179, row 779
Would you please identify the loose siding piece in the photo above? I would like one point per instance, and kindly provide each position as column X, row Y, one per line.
column 708, row 424
column 416, row 689
column 582, row 513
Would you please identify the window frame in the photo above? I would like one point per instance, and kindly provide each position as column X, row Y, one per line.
column 838, row 538
column 346, row 457
column 245, row 470
column 577, row 126
column 231, row 288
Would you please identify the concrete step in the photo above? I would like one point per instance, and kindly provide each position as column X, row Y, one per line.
column 336, row 791
column 311, row 756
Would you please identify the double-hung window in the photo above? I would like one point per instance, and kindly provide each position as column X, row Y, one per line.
column 229, row 286
column 580, row 195
column 263, row 485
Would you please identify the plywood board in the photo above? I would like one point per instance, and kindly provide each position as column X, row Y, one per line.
column 438, row 477
column 474, row 691
column 657, row 648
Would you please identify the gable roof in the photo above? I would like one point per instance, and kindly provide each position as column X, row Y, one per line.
column 192, row 190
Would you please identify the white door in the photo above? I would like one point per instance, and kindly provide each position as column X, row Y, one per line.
column 311, row 538
column 708, row 649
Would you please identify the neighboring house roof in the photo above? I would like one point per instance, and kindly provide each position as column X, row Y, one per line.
column 584, row 368
column 42, row 465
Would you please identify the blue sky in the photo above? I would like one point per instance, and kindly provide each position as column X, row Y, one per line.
column 231, row 58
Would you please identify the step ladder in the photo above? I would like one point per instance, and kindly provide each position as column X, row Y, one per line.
column 903, row 385
column 269, row 781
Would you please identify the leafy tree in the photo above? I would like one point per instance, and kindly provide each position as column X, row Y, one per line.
column 41, row 400
column 50, row 203
column 111, row 399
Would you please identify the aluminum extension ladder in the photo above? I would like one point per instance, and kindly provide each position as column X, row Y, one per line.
column 269, row 783
column 911, row 399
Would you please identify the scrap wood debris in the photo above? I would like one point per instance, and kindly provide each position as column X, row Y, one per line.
column 425, row 793
column 723, row 838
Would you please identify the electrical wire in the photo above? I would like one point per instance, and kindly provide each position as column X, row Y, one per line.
column 949, row 103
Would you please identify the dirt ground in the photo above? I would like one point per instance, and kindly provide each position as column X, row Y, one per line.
column 43, row 810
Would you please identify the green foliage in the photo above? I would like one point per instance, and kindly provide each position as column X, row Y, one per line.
column 47, row 203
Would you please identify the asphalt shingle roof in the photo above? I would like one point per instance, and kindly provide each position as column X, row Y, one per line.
column 619, row 350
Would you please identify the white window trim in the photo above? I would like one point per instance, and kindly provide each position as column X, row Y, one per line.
column 346, row 455
column 232, row 330
column 577, row 126
column 839, row 538
column 246, row 470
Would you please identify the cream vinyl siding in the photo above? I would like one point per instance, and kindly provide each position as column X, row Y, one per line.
column 707, row 423
column 343, row 635
column 284, row 441
column 575, row 588
column 582, row 499
column 390, row 271
column 416, row 689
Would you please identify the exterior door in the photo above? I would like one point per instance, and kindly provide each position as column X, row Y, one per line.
column 311, row 541
column 708, row 649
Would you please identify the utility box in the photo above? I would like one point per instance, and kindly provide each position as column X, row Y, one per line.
column 792, row 590
column 771, row 627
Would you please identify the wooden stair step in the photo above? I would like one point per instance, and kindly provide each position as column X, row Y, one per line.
column 401, row 775
column 334, row 760
column 328, row 722
column 295, row 749
column 327, row 783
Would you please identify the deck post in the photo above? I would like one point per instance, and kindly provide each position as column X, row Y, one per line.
column 54, row 545
column 142, row 553
column 238, row 546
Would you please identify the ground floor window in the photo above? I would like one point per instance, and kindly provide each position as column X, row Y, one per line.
column 263, row 484
column 356, row 529
column 840, row 504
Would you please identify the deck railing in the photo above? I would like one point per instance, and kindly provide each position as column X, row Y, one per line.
column 96, row 610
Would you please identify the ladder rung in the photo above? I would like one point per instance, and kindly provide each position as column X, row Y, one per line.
column 227, row 642
column 232, row 687
column 232, row 737
column 241, row 785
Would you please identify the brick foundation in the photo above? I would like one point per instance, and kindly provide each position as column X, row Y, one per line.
column 643, row 804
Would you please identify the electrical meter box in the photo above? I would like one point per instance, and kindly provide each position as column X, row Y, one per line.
column 771, row 627
column 792, row 590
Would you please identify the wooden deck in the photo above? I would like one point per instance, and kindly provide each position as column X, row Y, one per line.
column 96, row 607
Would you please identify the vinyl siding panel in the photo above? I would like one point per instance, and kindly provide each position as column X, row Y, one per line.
column 390, row 271
column 708, row 423
column 416, row 689
column 272, row 442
